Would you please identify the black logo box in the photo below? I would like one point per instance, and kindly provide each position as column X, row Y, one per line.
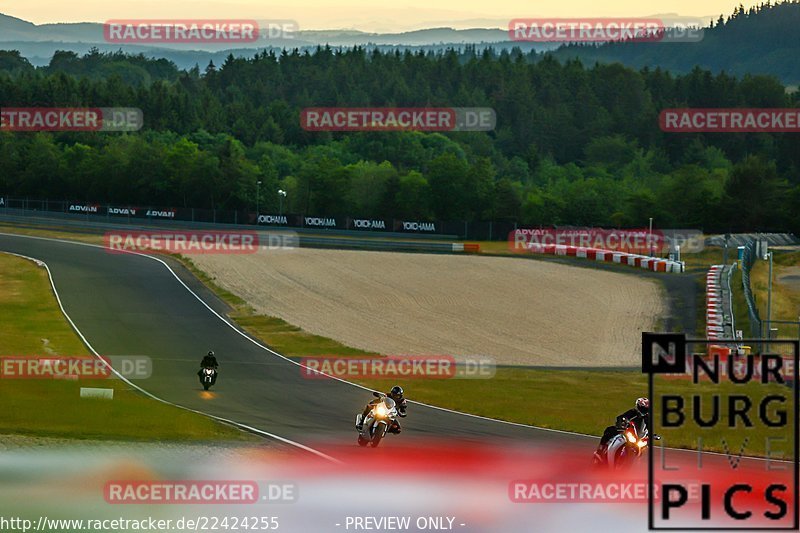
column 672, row 360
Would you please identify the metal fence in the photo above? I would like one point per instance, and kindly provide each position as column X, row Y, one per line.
column 728, row 294
column 749, row 257
column 122, row 213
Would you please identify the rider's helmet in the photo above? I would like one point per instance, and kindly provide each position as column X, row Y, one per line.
column 397, row 392
column 210, row 353
column 643, row 406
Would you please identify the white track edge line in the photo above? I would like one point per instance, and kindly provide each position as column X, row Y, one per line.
column 152, row 396
column 273, row 352
column 246, row 336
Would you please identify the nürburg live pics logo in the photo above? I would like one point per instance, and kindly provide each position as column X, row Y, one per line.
column 733, row 427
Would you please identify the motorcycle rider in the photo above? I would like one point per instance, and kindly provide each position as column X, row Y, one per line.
column 395, row 394
column 209, row 361
column 638, row 415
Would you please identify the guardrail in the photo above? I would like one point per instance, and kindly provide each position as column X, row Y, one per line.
column 408, row 227
column 729, row 292
column 719, row 306
column 305, row 239
column 654, row 264
column 748, row 259
column 99, row 221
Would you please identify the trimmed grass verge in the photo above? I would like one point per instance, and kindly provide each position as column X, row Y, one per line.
column 583, row 401
column 33, row 325
column 785, row 297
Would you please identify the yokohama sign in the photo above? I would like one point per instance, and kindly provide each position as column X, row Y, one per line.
column 273, row 220
column 368, row 224
column 422, row 227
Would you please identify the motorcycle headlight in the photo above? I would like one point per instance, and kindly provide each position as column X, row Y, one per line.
column 380, row 410
column 631, row 438
column 642, row 443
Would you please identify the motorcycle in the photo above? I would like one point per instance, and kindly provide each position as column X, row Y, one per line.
column 625, row 447
column 208, row 376
column 377, row 422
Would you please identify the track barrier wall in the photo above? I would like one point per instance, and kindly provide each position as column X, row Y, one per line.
column 653, row 264
column 120, row 213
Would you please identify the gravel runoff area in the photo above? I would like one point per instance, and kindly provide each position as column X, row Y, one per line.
column 520, row 312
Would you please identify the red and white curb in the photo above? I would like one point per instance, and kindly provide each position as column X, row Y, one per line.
column 653, row 264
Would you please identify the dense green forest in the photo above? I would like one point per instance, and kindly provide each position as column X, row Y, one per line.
column 573, row 144
column 756, row 40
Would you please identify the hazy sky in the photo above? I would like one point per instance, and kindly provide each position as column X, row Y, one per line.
column 375, row 15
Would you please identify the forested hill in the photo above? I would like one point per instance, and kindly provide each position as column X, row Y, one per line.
column 759, row 40
column 573, row 145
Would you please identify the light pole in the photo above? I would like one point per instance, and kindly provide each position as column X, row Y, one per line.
column 258, row 198
column 769, row 294
column 281, row 195
column 725, row 249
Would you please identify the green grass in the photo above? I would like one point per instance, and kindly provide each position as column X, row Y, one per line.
column 292, row 341
column 583, row 401
column 586, row 401
column 557, row 399
column 278, row 334
column 91, row 238
column 33, row 325
column 785, row 299
column 686, row 436
column 741, row 317
column 698, row 263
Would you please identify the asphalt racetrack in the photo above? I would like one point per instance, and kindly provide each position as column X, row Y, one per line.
column 134, row 305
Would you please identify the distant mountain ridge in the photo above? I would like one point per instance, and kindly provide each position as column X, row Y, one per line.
column 38, row 43
column 759, row 40
column 13, row 29
column 763, row 39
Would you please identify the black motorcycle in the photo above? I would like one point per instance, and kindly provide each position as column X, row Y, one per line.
column 208, row 376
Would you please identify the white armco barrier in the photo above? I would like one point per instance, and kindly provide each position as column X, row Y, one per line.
column 714, row 301
column 653, row 264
